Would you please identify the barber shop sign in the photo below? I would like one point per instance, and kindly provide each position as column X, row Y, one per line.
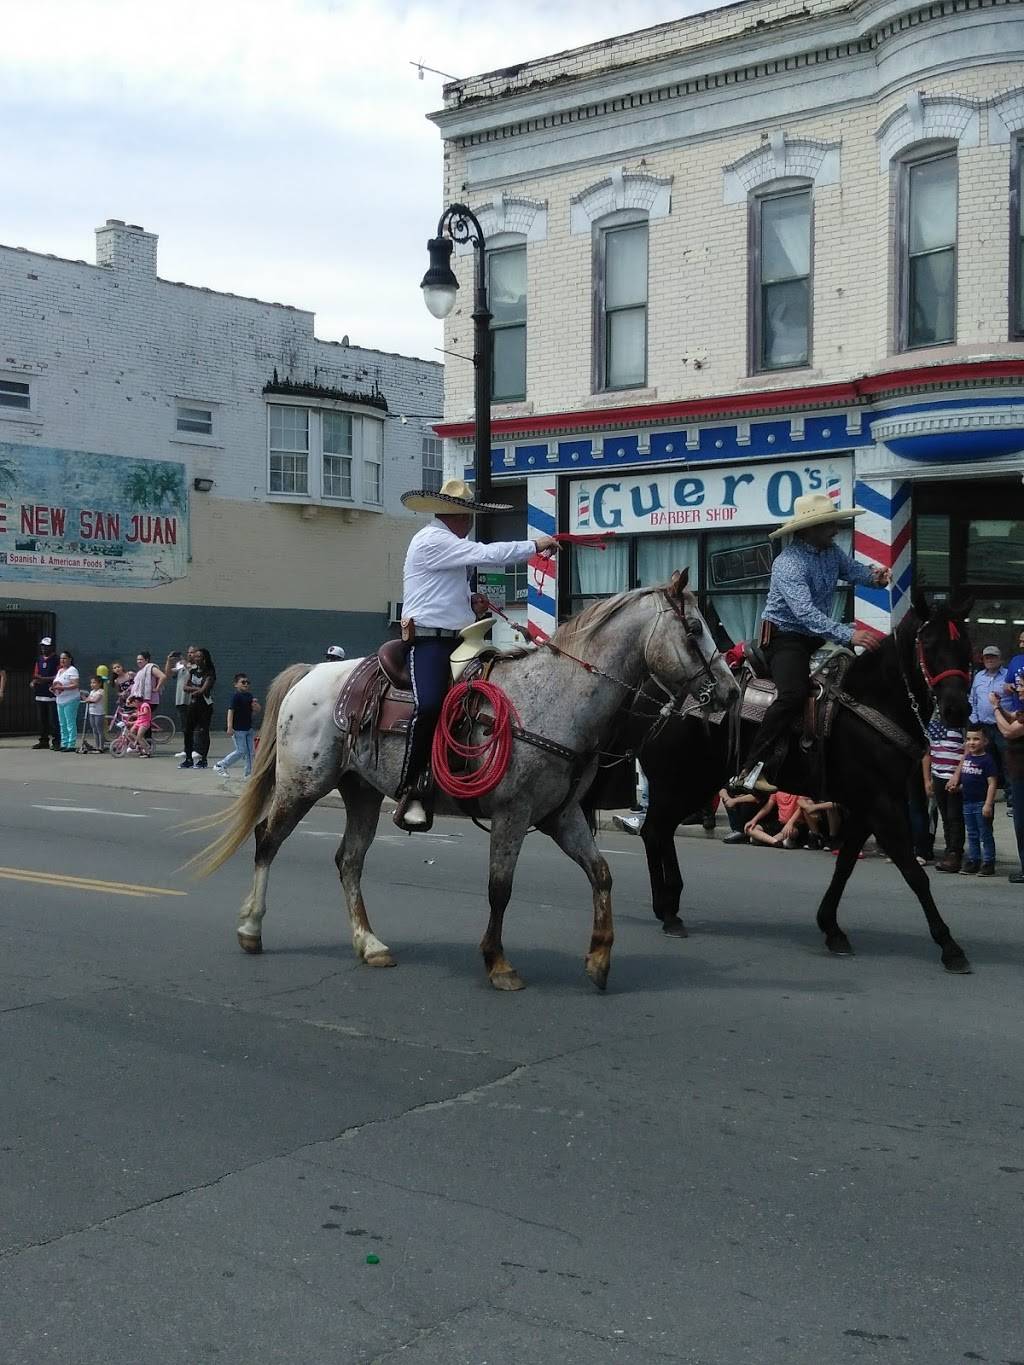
column 701, row 499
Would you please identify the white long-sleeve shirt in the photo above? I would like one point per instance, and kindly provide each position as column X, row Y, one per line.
column 436, row 587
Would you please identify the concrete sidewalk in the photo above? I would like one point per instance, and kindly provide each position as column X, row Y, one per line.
column 20, row 762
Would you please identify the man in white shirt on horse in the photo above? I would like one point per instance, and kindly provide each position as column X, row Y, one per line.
column 436, row 605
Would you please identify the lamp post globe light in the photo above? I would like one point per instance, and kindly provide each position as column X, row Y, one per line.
column 460, row 224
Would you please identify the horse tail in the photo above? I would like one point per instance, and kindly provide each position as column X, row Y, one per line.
column 245, row 813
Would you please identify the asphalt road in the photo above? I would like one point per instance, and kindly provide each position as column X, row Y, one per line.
column 744, row 1152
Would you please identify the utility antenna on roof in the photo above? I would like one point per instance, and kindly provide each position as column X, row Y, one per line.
column 420, row 68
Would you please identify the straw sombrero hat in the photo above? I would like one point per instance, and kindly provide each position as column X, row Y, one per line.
column 453, row 496
column 813, row 509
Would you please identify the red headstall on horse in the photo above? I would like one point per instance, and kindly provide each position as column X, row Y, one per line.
column 934, row 678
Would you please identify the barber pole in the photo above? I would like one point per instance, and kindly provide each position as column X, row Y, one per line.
column 542, row 519
column 882, row 536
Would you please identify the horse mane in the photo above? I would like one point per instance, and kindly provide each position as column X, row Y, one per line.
column 863, row 672
column 598, row 614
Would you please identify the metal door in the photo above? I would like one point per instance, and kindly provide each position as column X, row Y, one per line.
column 20, row 633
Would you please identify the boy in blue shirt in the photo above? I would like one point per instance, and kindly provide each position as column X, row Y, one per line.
column 977, row 779
column 240, row 714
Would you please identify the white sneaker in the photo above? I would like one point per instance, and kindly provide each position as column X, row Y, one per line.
column 195, row 757
column 181, row 755
column 629, row 824
column 221, row 772
column 415, row 815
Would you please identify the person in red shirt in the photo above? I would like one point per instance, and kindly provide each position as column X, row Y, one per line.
column 777, row 822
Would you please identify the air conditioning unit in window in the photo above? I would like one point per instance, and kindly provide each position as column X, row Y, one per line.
column 394, row 613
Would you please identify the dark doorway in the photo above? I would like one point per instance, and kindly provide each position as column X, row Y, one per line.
column 969, row 539
column 20, row 633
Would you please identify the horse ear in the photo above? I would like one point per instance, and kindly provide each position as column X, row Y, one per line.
column 921, row 605
column 961, row 606
column 678, row 582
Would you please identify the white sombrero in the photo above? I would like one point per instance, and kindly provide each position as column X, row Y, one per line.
column 453, row 496
column 813, row 509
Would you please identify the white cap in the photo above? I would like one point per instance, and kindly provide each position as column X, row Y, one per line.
column 46, row 640
column 335, row 652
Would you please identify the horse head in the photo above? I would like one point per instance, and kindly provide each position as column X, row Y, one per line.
column 942, row 656
column 680, row 651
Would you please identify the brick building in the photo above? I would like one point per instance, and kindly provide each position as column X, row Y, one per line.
column 769, row 249
column 181, row 465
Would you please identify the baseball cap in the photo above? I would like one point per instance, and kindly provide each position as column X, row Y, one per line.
column 335, row 652
column 991, row 649
column 46, row 640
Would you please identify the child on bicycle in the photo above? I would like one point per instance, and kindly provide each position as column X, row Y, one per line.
column 140, row 716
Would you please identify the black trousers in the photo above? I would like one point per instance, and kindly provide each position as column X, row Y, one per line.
column 951, row 813
column 48, row 726
column 430, row 667
column 197, row 729
column 789, row 660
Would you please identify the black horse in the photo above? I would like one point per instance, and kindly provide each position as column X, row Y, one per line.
column 924, row 664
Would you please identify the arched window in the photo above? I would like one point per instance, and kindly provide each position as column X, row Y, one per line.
column 926, row 246
column 781, row 276
column 620, row 300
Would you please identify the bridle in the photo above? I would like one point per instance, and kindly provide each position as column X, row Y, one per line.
column 931, row 679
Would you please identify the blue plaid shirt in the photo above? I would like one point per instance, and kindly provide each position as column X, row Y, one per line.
column 803, row 585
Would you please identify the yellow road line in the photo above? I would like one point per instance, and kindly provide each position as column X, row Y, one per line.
column 58, row 880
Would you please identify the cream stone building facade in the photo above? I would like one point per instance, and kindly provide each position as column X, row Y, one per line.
column 180, row 465
column 767, row 249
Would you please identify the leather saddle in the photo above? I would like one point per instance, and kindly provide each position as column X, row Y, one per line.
column 828, row 669
column 377, row 695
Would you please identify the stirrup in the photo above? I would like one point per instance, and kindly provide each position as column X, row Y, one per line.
column 752, row 782
column 412, row 815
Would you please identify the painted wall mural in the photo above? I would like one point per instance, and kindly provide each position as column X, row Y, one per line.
column 72, row 516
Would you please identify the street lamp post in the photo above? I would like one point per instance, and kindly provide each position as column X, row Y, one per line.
column 460, row 224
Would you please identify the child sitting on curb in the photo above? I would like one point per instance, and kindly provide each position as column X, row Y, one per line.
column 778, row 822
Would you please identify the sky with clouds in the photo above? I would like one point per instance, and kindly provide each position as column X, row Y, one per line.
column 280, row 149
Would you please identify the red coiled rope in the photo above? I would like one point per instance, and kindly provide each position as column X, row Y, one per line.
column 490, row 758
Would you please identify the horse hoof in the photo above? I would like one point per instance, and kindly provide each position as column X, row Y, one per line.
column 250, row 943
column 839, row 946
column 958, row 964
column 380, row 960
column 507, row 981
column 675, row 928
column 598, row 973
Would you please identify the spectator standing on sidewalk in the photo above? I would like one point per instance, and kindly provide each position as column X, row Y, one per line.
column 945, row 750
column 176, row 671
column 1011, row 727
column 43, row 674
column 199, row 689
column 122, row 682
column 95, row 717
column 241, row 710
column 67, row 688
column 989, row 680
column 976, row 778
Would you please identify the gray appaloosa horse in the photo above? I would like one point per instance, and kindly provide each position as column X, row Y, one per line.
column 649, row 633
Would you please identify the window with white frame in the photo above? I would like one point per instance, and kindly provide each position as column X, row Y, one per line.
column 1017, row 241
column 15, row 393
column 433, row 463
column 373, row 461
column 780, row 279
column 506, row 293
column 195, row 418
column 337, row 453
column 926, row 246
column 620, row 306
column 289, row 449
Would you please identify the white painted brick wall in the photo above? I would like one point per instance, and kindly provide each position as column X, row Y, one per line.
column 109, row 350
column 697, row 322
